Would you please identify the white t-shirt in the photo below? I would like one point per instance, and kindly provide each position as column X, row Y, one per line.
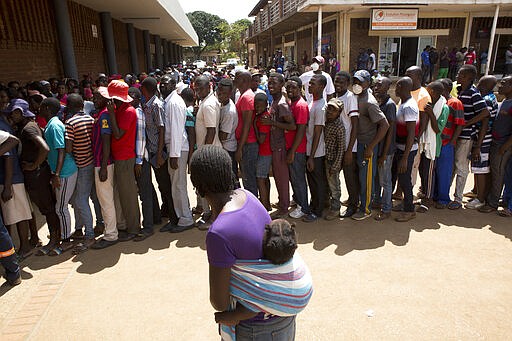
column 407, row 112
column 3, row 136
column 350, row 109
column 208, row 116
column 228, row 124
column 316, row 118
column 306, row 77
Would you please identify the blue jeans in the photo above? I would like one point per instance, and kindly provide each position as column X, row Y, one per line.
column 298, row 181
column 80, row 200
column 444, row 170
column 248, row 166
column 367, row 171
column 277, row 329
column 384, row 188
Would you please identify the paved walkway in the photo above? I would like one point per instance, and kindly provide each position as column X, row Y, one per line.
column 444, row 276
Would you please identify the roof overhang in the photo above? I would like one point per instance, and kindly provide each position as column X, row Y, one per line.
column 424, row 5
column 257, row 8
column 163, row 17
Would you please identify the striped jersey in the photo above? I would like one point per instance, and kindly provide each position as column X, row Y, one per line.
column 473, row 105
column 79, row 130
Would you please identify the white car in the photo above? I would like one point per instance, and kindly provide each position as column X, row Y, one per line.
column 232, row 61
column 200, row 64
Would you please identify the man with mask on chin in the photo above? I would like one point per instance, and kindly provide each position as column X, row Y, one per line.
column 372, row 127
column 317, row 69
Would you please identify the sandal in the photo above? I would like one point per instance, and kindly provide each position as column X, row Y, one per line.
column 60, row 249
column 505, row 213
column 21, row 256
column 454, row 205
column 143, row 235
column 45, row 250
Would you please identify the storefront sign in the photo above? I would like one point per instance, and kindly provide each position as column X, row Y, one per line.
column 394, row 19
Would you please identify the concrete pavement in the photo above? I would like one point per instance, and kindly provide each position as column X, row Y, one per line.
column 445, row 275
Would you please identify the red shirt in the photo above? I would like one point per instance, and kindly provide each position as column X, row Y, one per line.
column 300, row 112
column 265, row 149
column 245, row 103
column 124, row 148
column 456, row 118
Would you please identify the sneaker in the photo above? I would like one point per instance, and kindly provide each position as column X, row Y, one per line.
column 474, row 204
column 310, row 218
column 361, row 215
column 405, row 217
column 349, row 212
column 332, row 215
column 297, row 213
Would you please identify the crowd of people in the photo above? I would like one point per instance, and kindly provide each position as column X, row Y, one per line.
column 104, row 140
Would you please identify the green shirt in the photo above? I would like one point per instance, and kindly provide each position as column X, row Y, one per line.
column 441, row 123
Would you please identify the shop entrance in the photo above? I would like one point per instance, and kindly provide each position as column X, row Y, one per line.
column 396, row 54
column 502, row 43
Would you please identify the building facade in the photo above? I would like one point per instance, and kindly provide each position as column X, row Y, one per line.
column 397, row 31
column 71, row 38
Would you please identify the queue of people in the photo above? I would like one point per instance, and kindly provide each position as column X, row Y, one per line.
column 303, row 130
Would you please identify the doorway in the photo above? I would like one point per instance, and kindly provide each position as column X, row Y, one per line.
column 408, row 53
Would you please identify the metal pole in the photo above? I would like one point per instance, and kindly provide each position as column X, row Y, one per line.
column 491, row 43
column 319, row 43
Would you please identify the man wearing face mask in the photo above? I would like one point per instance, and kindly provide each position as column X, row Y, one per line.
column 372, row 127
column 317, row 69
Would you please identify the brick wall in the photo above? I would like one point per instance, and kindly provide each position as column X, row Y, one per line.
column 28, row 42
column 89, row 52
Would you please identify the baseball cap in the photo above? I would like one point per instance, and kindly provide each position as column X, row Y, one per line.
column 319, row 59
column 338, row 104
column 363, row 76
column 21, row 104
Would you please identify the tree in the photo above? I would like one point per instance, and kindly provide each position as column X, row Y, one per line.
column 208, row 29
column 233, row 37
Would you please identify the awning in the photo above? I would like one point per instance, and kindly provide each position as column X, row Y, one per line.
column 163, row 17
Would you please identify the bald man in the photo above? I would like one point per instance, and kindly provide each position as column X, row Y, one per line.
column 422, row 98
column 247, row 148
column 407, row 126
column 384, row 187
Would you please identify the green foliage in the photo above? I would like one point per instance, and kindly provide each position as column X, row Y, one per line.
column 215, row 33
column 208, row 29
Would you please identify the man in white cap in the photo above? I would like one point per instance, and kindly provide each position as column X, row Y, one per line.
column 317, row 69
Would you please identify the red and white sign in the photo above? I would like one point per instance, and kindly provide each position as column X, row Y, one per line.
column 394, row 19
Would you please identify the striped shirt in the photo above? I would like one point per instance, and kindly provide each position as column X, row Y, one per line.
column 140, row 139
column 455, row 118
column 492, row 106
column 154, row 114
column 473, row 105
column 79, row 131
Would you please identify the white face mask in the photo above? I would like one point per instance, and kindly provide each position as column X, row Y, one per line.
column 357, row 89
column 315, row 67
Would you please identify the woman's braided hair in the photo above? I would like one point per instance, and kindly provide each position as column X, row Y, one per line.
column 210, row 170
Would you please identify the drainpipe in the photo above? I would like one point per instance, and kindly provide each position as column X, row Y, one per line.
column 319, row 43
column 491, row 43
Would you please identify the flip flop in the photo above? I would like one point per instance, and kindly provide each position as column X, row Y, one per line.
column 43, row 251
column 63, row 247
column 505, row 213
column 83, row 246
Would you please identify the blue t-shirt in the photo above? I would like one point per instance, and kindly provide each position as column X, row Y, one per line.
column 17, row 174
column 54, row 135
column 502, row 127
